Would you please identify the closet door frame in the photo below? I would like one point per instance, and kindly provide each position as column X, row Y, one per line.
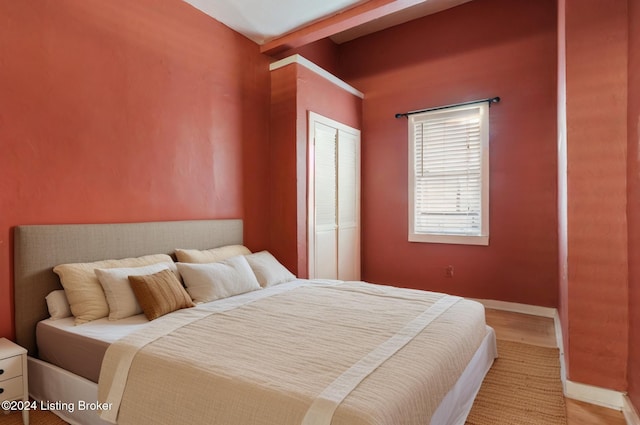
column 312, row 119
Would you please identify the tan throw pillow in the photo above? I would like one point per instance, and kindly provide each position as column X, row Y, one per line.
column 159, row 293
column 83, row 290
column 268, row 270
column 210, row 255
column 209, row 282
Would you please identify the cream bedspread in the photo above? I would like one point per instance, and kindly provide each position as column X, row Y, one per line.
column 268, row 357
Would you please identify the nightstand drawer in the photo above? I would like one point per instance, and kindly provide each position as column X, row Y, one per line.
column 11, row 389
column 10, row 368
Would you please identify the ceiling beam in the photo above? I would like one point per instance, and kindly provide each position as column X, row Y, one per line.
column 358, row 15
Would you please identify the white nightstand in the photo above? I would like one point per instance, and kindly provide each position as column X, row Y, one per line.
column 13, row 374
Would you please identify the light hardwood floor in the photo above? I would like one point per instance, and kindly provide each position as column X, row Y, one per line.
column 540, row 331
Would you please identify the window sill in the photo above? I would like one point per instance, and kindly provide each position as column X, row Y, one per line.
column 450, row 239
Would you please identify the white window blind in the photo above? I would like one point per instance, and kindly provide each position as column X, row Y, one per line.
column 448, row 175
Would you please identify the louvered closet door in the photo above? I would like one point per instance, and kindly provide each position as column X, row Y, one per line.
column 326, row 219
column 348, row 206
column 334, row 200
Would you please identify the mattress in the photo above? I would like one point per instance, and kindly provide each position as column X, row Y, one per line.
column 80, row 349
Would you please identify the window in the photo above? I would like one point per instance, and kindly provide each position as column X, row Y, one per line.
column 449, row 175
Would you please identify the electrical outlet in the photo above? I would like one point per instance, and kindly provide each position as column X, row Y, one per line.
column 449, row 271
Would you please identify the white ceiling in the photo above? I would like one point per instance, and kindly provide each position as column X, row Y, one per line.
column 265, row 20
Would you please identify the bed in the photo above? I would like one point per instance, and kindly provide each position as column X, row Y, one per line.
column 303, row 352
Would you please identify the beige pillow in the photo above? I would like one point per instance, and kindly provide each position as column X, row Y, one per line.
column 159, row 293
column 83, row 290
column 208, row 282
column 210, row 255
column 58, row 305
column 120, row 297
column 268, row 270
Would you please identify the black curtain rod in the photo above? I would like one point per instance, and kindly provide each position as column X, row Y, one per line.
column 489, row 99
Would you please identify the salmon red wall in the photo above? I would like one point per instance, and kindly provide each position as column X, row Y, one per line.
column 323, row 53
column 597, row 267
column 477, row 50
column 126, row 110
column 295, row 91
column 633, row 202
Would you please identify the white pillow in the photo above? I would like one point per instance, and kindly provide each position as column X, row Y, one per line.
column 58, row 305
column 212, row 255
column 212, row 281
column 120, row 297
column 268, row 270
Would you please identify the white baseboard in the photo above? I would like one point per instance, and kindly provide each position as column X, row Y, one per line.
column 630, row 412
column 594, row 395
column 560, row 343
column 533, row 310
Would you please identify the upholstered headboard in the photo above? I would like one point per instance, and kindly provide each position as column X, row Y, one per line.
column 39, row 248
